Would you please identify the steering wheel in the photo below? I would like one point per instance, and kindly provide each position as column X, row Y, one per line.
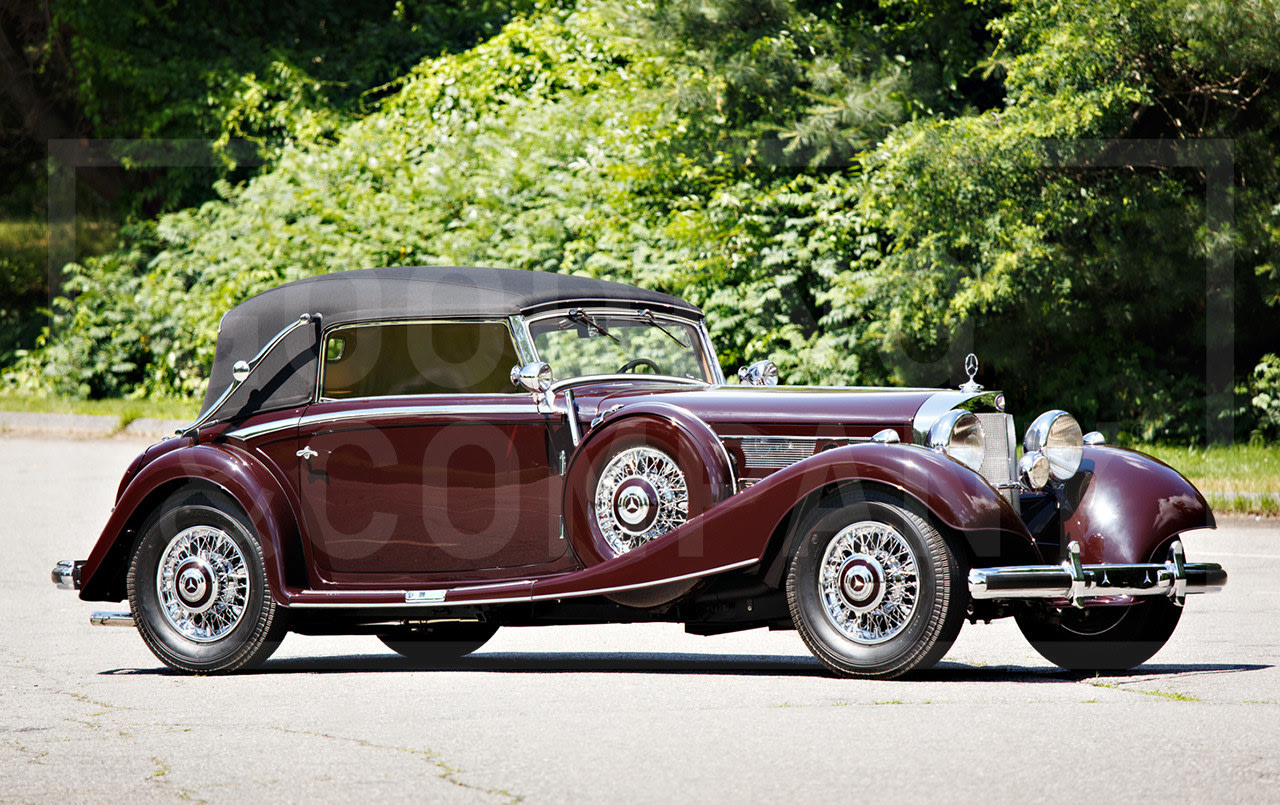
column 629, row 365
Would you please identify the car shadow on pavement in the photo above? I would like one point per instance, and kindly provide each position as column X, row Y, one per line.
column 689, row 664
column 960, row 672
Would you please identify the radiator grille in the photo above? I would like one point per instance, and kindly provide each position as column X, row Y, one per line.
column 999, row 461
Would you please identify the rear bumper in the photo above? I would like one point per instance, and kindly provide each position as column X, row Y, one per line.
column 66, row 574
column 1077, row 584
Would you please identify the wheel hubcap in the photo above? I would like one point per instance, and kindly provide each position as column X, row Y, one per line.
column 640, row 495
column 202, row 583
column 862, row 583
column 197, row 588
column 868, row 582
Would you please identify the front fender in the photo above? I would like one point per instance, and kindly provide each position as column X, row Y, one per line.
column 738, row 532
column 226, row 467
column 1128, row 504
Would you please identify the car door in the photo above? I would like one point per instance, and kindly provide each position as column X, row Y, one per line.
column 421, row 462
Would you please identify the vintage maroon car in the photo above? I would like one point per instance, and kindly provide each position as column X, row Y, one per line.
column 428, row 454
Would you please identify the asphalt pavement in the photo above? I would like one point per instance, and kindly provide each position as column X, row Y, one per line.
column 610, row 713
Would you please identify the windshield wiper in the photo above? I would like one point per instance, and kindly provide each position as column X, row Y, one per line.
column 646, row 316
column 582, row 317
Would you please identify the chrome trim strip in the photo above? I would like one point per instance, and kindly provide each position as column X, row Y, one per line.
column 111, row 619
column 514, row 599
column 521, row 408
column 524, row 343
column 642, row 585
column 626, row 378
column 264, row 428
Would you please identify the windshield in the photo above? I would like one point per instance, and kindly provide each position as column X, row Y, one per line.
column 578, row 342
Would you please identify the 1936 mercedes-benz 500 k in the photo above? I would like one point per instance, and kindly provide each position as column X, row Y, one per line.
column 430, row 454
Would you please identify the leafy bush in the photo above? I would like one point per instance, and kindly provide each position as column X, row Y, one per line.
column 840, row 189
column 1266, row 397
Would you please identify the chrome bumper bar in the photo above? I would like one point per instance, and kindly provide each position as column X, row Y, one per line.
column 1077, row 583
column 66, row 574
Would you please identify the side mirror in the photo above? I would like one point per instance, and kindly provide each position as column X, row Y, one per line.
column 760, row 373
column 534, row 378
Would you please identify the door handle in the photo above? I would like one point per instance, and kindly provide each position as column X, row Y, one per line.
column 306, row 453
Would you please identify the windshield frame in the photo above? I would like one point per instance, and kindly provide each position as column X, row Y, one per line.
column 702, row 340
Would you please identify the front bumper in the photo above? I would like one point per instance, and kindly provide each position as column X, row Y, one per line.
column 1078, row 584
column 66, row 574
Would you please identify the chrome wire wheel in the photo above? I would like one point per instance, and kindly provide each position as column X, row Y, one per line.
column 869, row 582
column 874, row 588
column 202, row 583
column 641, row 494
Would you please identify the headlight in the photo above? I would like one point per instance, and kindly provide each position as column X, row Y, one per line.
column 959, row 435
column 1057, row 435
column 1033, row 471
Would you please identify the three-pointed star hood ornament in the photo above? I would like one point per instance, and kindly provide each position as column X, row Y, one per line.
column 971, row 368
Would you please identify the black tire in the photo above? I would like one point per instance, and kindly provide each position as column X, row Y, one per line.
column 1101, row 638
column 857, row 559
column 439, row 644
column 198, row 587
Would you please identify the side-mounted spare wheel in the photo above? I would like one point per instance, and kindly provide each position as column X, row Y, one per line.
column 637, row 478
column 197, row 587
column 874, row 588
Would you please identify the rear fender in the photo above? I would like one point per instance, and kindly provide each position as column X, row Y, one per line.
column 1124, row 506
column 224, row 467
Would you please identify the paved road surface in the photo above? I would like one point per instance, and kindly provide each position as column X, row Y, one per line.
column 615, row 713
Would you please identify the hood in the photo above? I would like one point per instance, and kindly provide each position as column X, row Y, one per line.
column 789, row 410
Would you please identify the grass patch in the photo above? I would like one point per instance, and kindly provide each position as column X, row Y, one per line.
column 1240, row 479
column 1238, row 468
column 1172, row 696
column 1261, row 504
column 126, row 410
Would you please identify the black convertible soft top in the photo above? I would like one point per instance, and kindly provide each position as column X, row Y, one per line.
column 286, row 378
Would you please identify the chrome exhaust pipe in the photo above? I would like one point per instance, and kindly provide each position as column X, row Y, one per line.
column 111, row 619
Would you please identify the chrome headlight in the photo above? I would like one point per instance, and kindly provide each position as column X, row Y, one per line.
column 959, row 435
column 1057, row 436
column 1033, row 471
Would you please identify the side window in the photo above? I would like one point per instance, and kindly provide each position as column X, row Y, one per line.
column 431, row 358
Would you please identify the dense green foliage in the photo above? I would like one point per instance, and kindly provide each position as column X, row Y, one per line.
column 219, row 88
column 862, row 193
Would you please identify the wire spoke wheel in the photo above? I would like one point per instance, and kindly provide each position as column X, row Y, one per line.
column 869, row 582
column 198, row 587
column 641, row 494
column 873, row 587
column 202, row 583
